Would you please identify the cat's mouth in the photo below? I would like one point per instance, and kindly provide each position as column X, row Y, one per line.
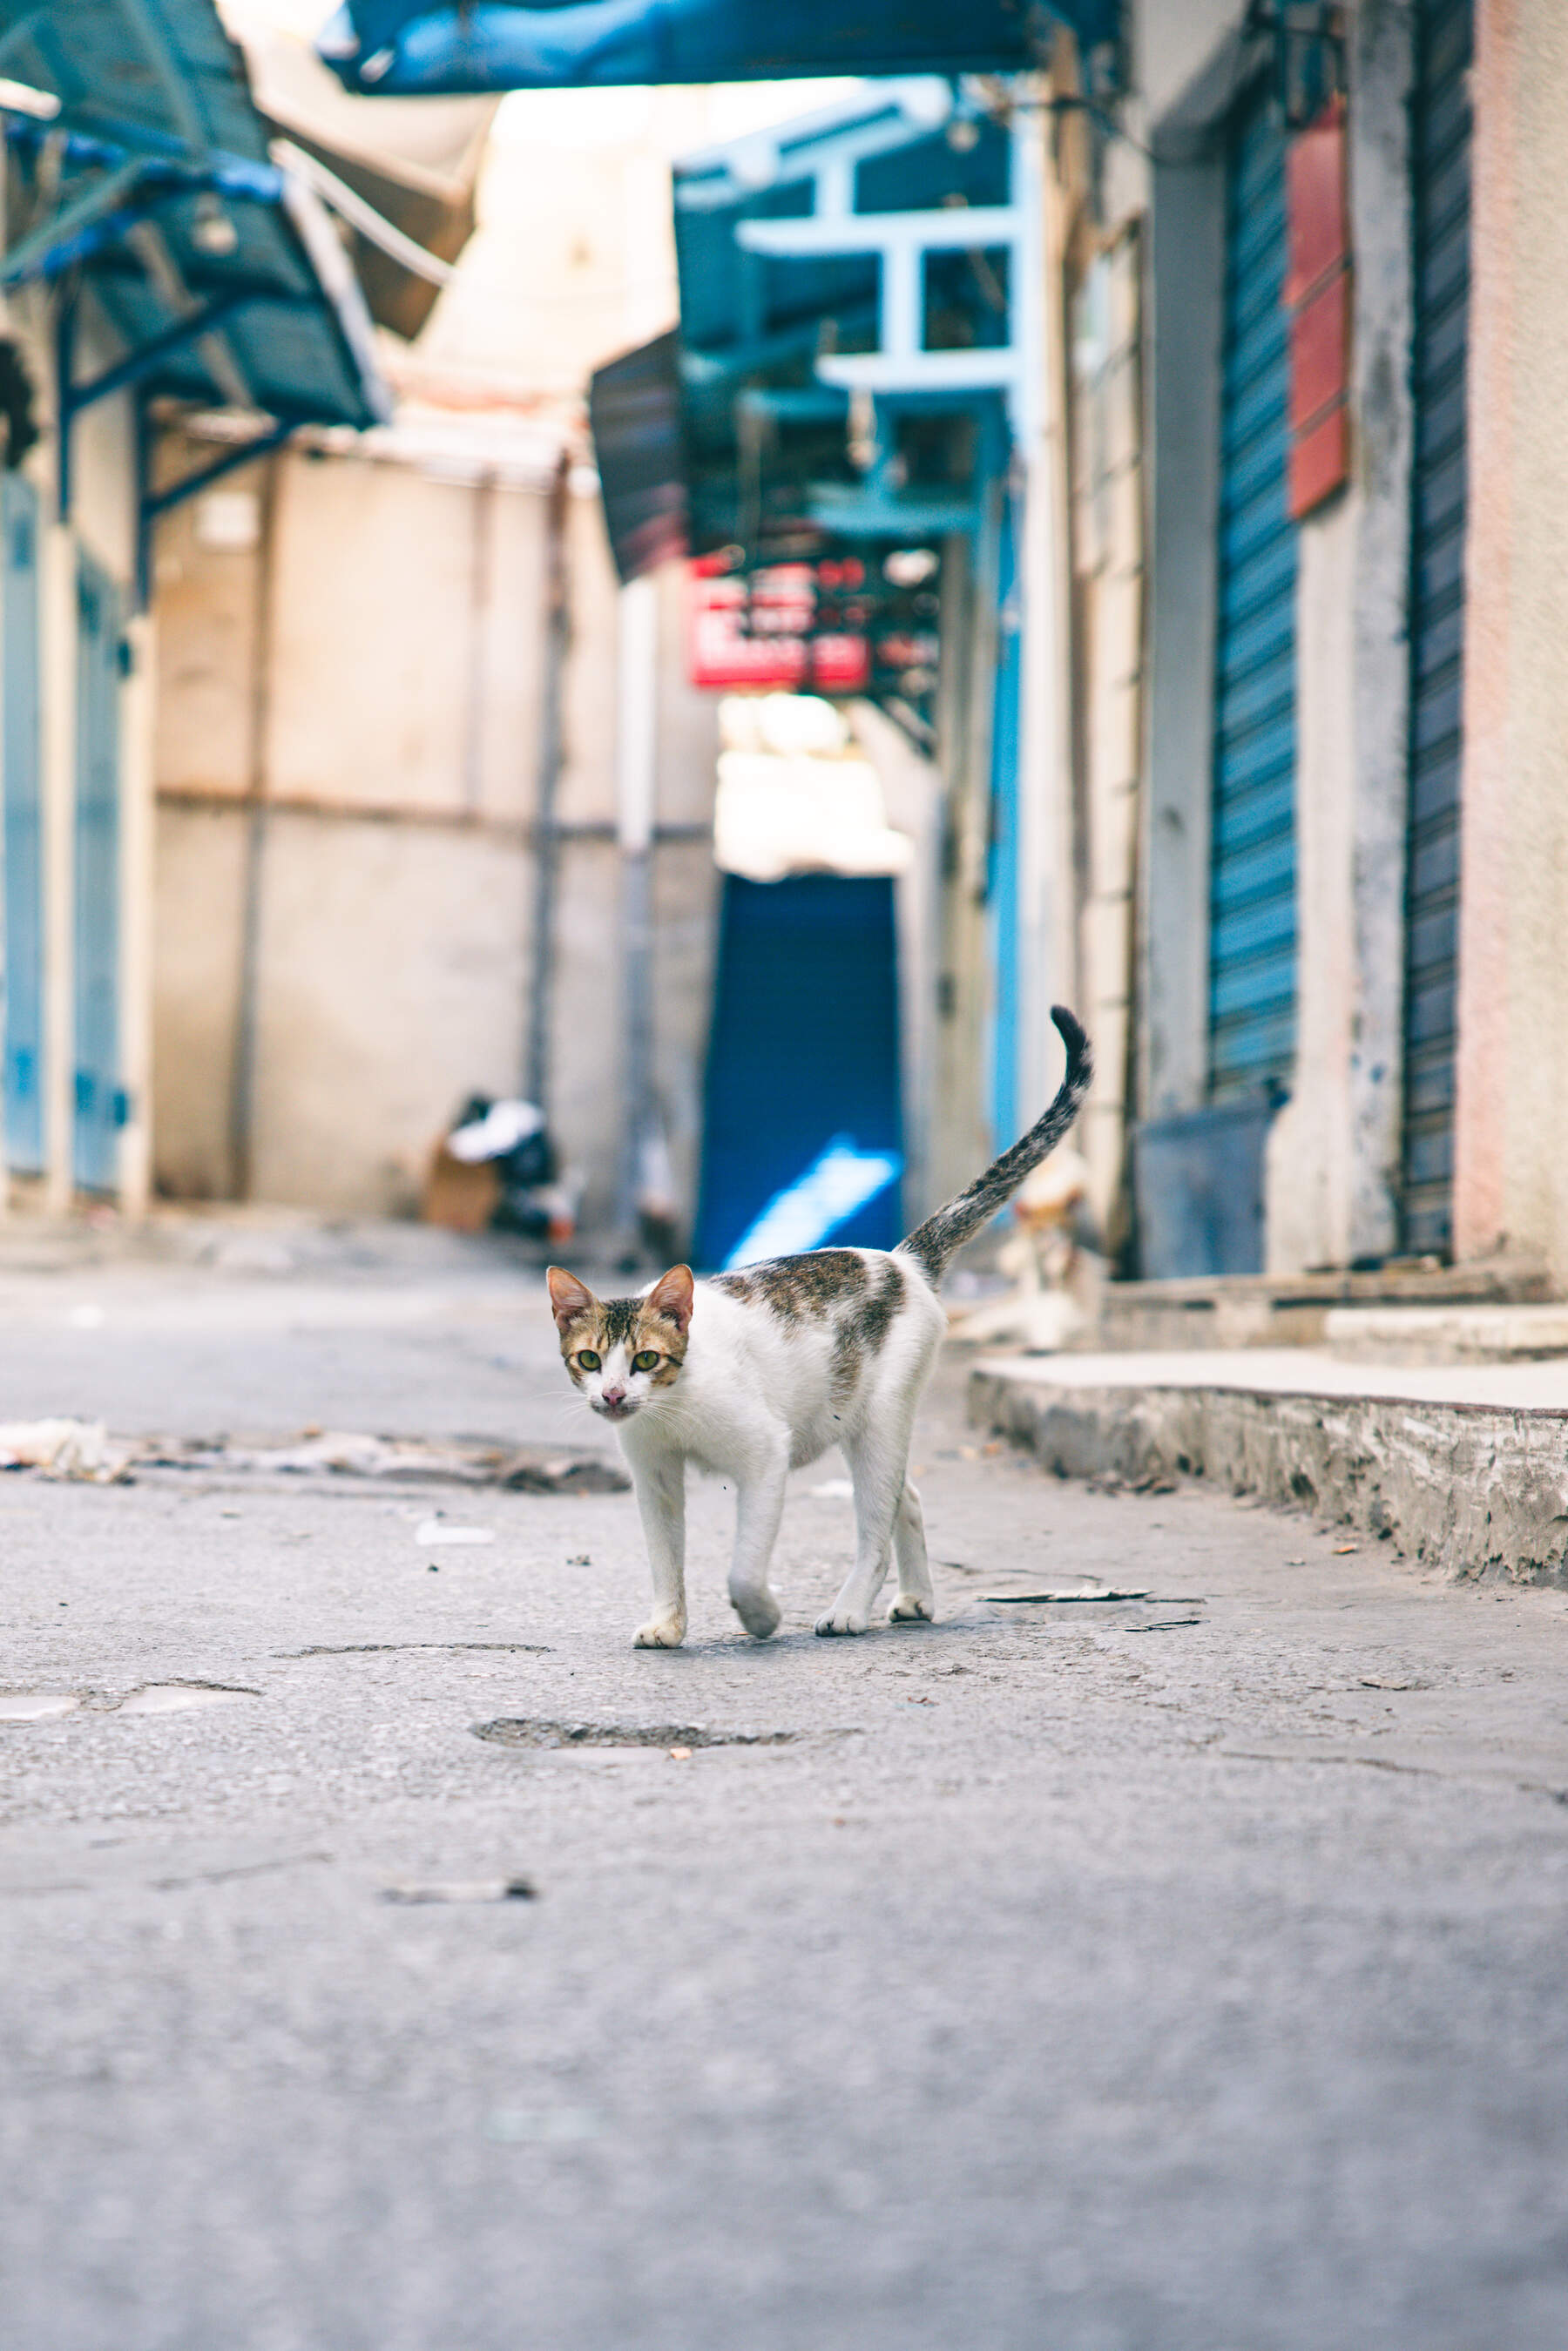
column 612, row 1411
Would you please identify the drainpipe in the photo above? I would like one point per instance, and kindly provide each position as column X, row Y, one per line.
column 547, row 830
column 241, row 1079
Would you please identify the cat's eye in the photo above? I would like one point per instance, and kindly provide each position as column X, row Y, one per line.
column 587, row 1360
column 647, row 1361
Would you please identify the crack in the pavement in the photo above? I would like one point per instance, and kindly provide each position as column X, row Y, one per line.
column 1407, row 1771
column 523, row 1732
column 379, row 1648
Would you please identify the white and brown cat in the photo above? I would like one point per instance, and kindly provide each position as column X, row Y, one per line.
column 754, row 1374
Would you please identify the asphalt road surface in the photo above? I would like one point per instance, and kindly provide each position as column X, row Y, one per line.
column 1181, row 1973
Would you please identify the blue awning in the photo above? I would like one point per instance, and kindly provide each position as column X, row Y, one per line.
column 446, row 47
column 218, row 270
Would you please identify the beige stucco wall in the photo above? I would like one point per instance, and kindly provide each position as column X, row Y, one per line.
column 1511, row 1123
column 399, row 761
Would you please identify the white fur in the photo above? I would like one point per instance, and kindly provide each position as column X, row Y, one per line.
column 755, row 1400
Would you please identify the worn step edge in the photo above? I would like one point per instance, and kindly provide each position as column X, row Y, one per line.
column 1477, row 1490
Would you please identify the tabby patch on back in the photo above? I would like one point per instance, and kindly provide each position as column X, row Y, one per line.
column 758, row 1372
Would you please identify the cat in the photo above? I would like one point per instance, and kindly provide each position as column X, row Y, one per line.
column 756, row 1372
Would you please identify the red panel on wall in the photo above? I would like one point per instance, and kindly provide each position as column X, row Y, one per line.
column 1320, row 460
column 1318, row 299
column 1318, row 231
column 1320, row 351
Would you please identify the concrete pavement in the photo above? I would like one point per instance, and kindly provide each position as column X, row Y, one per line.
column 1175, row 1974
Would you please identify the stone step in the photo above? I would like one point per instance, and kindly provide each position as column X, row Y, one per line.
column 1446, row 1334
column 1463, row 1468
column 1257, row 1310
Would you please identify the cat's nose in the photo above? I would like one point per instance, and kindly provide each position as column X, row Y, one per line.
column 613, row 1395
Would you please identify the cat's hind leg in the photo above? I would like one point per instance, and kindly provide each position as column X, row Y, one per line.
column 916, row 1601
column 877, row 1470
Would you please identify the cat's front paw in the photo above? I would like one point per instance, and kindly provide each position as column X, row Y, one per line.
column 839, row 1620
column 910, row 1609
column 660, row 1633
column 757, row 1611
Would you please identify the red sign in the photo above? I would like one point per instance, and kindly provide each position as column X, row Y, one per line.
column 755, row 633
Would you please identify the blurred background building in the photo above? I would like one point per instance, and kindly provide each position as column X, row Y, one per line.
column 1077, row 484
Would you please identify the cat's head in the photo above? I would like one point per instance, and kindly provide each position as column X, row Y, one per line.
column 623, row 1353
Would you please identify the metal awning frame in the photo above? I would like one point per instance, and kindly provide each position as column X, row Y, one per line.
column 137, row 180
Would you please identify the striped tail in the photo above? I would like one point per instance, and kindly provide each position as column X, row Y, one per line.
column 934, row 1242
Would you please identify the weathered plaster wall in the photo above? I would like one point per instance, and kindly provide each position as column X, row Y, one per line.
column 398, row 754
column 1511, row 1170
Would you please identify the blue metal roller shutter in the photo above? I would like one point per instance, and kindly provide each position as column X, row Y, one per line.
column 1440, row 153
column 24, row 1023
column 1252, row 940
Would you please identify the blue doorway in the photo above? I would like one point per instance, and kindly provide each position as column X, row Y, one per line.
column 802, row 1131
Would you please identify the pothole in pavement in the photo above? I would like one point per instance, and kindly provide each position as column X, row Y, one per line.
column 526, row 1731
column 23, row 1707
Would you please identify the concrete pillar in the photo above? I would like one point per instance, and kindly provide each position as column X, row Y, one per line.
column 1510, row 1188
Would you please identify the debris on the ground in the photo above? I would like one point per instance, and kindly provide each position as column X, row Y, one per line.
column 579, row 1559
column 461, row 1889
column 680, row 1754
column 65, row 1449
column 1063, row 1599
column 81, row 1449
column 436, row 1531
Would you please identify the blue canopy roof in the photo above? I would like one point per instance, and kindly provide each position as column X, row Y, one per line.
column 162, row 135
column 409, row 48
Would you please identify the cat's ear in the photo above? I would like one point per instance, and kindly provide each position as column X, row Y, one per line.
column 569, row 1299
column 671, row 1296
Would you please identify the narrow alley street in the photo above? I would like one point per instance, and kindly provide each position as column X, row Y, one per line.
column 1175, row 1973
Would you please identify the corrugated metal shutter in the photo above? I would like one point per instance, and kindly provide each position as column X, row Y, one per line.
column 100, row 1103
column 1441, row 206
column 24, row 1029
column 1253, row 948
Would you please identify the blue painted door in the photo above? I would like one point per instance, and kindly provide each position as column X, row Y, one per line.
column 801, row 1113
column 24, row 1006
column 100, row 1102
column 1441, row 141
column 1252, row 922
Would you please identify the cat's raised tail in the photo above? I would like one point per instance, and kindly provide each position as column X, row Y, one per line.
column 932, row 1243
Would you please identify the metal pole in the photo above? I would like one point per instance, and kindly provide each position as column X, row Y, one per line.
column 636, row 784
column 546, row 836
column 242, row 1080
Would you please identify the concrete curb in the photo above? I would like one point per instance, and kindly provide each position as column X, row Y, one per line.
column 1474, row 1489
